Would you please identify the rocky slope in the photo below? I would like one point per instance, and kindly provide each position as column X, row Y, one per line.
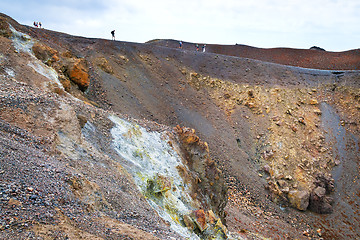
column 101, row 139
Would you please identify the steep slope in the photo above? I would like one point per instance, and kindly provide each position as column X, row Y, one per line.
column 266, row 124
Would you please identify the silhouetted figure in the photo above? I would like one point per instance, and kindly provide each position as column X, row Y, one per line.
column 113, row 35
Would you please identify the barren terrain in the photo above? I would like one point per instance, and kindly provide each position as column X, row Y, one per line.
column 268, row 139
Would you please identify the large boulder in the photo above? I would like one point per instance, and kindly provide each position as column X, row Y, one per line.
column 319, row 202
column 299, row 199
column 45, row 53
column 77, row 71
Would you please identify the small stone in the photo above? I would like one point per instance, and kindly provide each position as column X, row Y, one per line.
column 317, row 112
column 301, row 120
column 314, row 102
column 306, row 232
column 13, row 202
column 267, row 168
column 294, row 128
column 288, row 177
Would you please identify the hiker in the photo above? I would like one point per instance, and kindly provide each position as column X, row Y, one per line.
column 197, row 47
column 180, row 43
column 113, row 35
column 39, row 24
column 203, row 48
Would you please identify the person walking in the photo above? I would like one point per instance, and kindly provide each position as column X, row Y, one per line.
column 113, row 35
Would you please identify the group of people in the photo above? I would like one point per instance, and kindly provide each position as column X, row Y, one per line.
column 37, row 24
column 196, row 46
column 180, row 42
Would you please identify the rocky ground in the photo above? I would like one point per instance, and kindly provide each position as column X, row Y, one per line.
column 285, row 139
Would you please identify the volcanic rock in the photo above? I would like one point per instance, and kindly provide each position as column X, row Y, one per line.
column 299, row 199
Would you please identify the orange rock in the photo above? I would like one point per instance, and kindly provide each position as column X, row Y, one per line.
column 200, row 219
column 190, row 139
column 78, row 73
column 313, row 102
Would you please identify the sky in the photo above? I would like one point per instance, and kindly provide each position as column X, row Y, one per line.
column 330, row 24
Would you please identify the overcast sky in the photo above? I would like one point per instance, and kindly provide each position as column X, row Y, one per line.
column 331, row 24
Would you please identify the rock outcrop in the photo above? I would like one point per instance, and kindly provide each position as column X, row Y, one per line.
column 207, row 179
column 77, row 71
column 4, row 28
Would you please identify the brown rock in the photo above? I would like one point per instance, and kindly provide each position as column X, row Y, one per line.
column 45, row 53
column 104, row 65
column 189, row 223
column 65, row 82
column 299, row 199
column 14, row 203
column 319, row 202
column 82, row 120
column 4, row 28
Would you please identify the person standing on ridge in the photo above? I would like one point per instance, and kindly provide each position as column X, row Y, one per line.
column 180, row 43
column 113, row 35
column 197, row 47
column 203, row 48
